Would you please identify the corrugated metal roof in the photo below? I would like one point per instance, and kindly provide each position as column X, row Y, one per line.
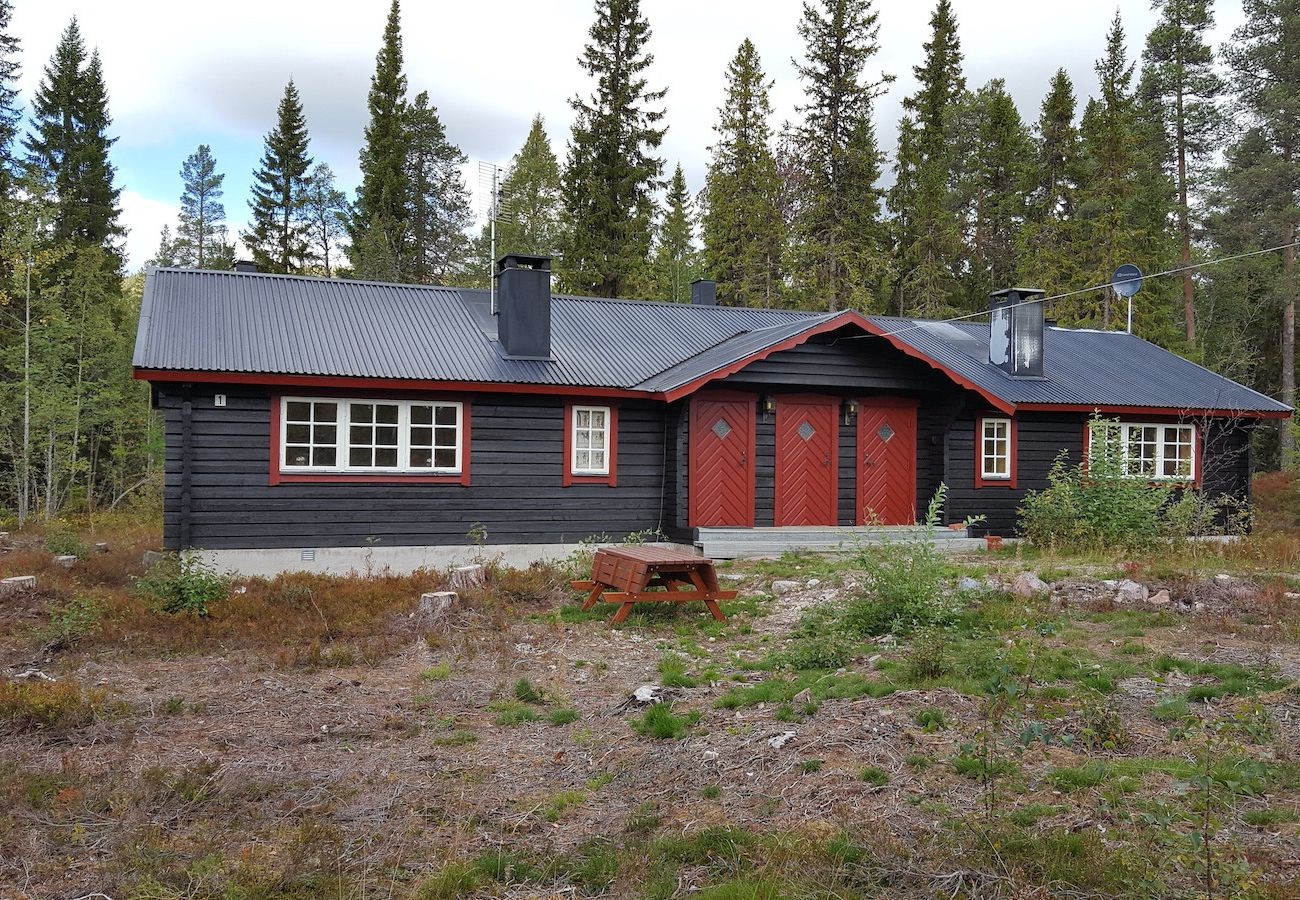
column 241, row 322
column 1081, row 367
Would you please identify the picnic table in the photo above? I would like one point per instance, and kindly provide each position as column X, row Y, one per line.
column 630, row 574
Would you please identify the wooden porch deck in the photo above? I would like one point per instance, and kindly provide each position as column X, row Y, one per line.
column 732, row 543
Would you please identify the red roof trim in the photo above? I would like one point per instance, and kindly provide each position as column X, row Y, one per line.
column 1154, row 411
column 349, row 382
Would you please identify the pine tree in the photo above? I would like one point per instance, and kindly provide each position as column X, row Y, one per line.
column 10, row 116
column 612, row 172
column 837, row 240
column 201, row 230
column 276, row 237
column 1179, row 69
column 931, row 252
column 1264, row 57
column 744, row 229
column 68, row 148
column 676, row 261
column 994, row 175
column 529, row 207
column 440, row 210
column 1048, row 254
column 379, row 225
column 324, row 217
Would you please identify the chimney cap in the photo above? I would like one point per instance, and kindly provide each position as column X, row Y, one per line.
column 524, row 261
column 1002, row 292
column 245, row 265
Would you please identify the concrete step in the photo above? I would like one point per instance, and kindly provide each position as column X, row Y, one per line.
column 726, row 548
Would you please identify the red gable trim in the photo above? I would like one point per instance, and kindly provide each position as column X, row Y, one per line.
column 848, row 317
column 1154, row 411
column 348, row 382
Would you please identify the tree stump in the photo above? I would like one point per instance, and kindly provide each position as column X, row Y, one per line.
column 463, row 577
column 433, row 606
column 66, row 561
column 17, row 584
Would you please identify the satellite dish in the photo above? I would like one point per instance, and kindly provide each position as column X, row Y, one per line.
column 1127, row 280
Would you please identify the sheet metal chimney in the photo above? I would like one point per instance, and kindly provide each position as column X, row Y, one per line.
column 1016, row 331
column 246, row 265
column 524, row 305
column 704, row 292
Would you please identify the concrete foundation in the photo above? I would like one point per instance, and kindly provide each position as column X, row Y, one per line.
column 376, row 560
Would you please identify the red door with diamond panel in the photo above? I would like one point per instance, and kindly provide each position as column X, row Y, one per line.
column 806, row 459
column 721, row 477
column 887, row 461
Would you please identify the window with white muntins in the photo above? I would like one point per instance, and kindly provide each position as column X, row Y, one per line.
column 337, row 435
column 590, row 440
column 1159, row 452
column 995, row 452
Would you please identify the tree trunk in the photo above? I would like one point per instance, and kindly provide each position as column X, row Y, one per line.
column 1288, row 348
column 1184, row 224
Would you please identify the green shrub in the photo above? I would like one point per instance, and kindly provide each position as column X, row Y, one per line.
column 527, row 692
column 72, row 621
column 32, row 705
column 1093, row 504
column 183, row 583
column 661, row 722
column 66, row 543
column 931, row 720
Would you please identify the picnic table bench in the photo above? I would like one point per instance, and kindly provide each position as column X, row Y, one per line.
column 630, row 574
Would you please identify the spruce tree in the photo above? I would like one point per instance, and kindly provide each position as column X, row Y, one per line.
column 379, row 224
column 201, row 230
column 324, row 218
column 529, row 212
column 440, row 210
column 612, row 171
column 931, row 252
column 10, row 116
column 993, row 178
column 1179, row 69
column 744, row 228
column 1048, row 242
column 837, row 241
column 676, row 262
column 68, row 146
column 1264, row 57
column 276, row 237
column 167, row 253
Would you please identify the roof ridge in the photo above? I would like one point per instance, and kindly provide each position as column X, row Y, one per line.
column 292, row 276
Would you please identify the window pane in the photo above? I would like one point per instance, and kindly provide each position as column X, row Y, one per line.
column 583, row 461
column 584, row 440
column 363, row 412
column 360, row 456
column 323, row 456
column 421, row 437
column 386, row 435
column 446, row 415
column 444, row 459
column 445, row 437
column 298, row 412
column 325, row 412
column 421, row 415
column 598, row 418
column 386, row 457
column 297, row 456
column 421, row 459
column 298, row 434
column 598, row 460
column 387, row 414
column 324, row 434
column 359, row 434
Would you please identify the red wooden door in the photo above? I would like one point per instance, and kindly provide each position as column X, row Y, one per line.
column 807, row 439
column 721, row 477
column 887, row 461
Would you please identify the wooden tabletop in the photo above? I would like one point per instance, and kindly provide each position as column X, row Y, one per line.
column 658, row 554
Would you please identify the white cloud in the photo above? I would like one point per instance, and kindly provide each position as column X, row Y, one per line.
column 144, row 218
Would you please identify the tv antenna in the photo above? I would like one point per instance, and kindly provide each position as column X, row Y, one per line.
column 1126, row 282
column 490, row 177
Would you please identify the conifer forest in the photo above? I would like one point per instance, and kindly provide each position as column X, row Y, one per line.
column 1187, row 158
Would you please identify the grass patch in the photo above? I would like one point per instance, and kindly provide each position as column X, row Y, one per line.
column 439, row 672
column 662, row 723
column 513, row 712
column 563, row 716
column 673, row 672
column 874, row 775
column 1264, row 818
column 32, row 705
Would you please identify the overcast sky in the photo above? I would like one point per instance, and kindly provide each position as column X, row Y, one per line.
column 183, row 74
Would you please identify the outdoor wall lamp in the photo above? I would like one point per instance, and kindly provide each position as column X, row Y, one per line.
column 767, row 405
column 850, row 411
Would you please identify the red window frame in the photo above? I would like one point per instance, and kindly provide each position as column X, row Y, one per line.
column 980, row 480
column 277, row 476
column 568, row 478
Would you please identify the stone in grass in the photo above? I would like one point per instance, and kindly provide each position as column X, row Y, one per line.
column 153, row 556
column 780, row 740
column 969, row 584
column 1129, row 591
column 1159, row 598
column 785, row 587
column 1027, row 585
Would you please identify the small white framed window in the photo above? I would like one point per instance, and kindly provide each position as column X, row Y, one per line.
column 590, row 441
column 329, row 436
column 995, row 449
column 1151, row 450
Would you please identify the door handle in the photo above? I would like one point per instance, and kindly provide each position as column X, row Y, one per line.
column 867, row 461
column 826, row 460
column 744, row 458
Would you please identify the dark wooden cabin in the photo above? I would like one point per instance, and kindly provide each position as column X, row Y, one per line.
column 306, row 413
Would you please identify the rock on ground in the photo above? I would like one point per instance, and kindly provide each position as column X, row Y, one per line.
column 1028, row 585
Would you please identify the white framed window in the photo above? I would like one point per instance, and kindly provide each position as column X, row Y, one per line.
column 1152, row 450
column 590, row 441
column 995, row 449
column 334, row 435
